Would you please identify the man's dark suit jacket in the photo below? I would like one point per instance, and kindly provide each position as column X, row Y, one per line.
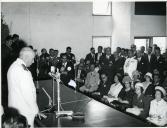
column 104, row 61
column 150, row 65
column 70, row 73
column 90, row 58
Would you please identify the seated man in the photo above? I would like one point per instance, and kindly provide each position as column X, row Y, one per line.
column 80, row 74
column 103, row 88
column 66, row 69
column 70, row 56
column 92, row 80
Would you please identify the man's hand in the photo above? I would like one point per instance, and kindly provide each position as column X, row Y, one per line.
column 40, row 115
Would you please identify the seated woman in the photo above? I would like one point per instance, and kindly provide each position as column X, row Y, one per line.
column 138, row 100
column 147, row 84
column 158, row 108
column 92, row 81
column 103, row 88
column 125, row 97
column 114, row 90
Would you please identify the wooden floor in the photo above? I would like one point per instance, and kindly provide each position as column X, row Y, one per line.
column 96, row 114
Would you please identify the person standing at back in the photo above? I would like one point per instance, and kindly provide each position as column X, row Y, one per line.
column 22, row 92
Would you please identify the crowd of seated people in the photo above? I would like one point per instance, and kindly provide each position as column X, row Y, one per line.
column 134, row 81
column 127, row 80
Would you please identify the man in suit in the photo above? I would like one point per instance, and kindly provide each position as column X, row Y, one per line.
column 103, row 88
column 118, row 63
column 91, row 56
column 150, row 61
column 142, row 49
column 66, row 69
column 98, row 54
column 53, row 58
column 92, row 81
column 141, row 65
column 106, row 58
column 70, row 56
column 133, row 48
column 160, row 62
column 6, row 54
column 80, row 74
column 22, row 92
column 106, row 62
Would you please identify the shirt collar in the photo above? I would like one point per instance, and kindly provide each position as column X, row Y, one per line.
column 20, row 61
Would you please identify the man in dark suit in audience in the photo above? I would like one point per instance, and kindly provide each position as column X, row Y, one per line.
column 142, row 49
column 80, row 75
column 150, row 61
column 98, row 54
column 141, row 65
column 91, row 56
column 70, row 56
column 106, row 62
column 160, row 62
column 6, row 61
column 66, row 69
column 118, row 64
column 133, row 48
column 103, row 88
column 119, row 51
column 106, row 58
column 53, row 58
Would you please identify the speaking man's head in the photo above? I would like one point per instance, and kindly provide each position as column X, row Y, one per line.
column 27, row 55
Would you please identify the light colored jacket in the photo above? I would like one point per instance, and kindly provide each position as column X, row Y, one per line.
column 92, row 79
column 130, row 65
column 22, row 92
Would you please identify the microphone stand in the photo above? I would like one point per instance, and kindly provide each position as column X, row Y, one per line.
column 59, row 112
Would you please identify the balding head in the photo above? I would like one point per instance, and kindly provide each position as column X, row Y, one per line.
column 27, row 55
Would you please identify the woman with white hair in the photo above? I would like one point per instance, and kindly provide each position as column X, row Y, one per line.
column 158, row 108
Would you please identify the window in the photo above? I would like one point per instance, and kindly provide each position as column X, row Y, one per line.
column 104, row 41
column 101, row 8
column 161, row 42
column 149, row 41
column 142, row 41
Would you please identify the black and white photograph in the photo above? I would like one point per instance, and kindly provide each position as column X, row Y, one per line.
column 94, row 63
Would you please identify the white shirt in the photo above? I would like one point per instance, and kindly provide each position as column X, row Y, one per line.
column 79, row 74
column 98, row 56
column 22, row 92
column 130, row 65
column 158, row 108
column 115, row 89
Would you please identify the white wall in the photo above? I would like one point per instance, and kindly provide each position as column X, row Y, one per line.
column 56, row 25
column 127, row 25
column 122, row 16
column 149, row 25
